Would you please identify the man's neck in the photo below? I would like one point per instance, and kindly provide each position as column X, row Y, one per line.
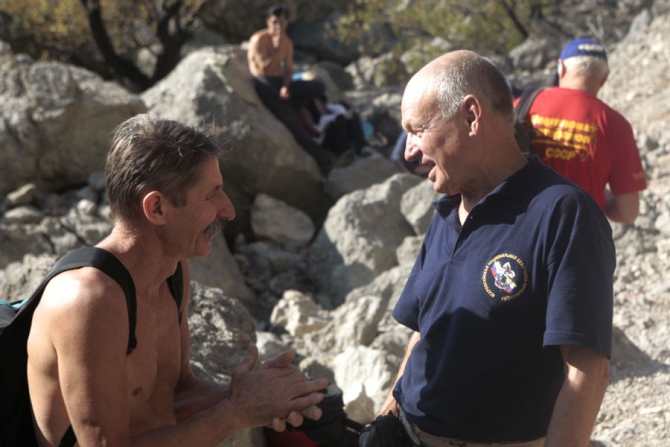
column 581, row 83
column 491, row 176
column 142, row 256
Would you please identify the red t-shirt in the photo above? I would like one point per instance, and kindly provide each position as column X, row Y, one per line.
column 587, row 142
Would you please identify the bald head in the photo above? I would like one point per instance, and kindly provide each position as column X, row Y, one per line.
column 453, row 76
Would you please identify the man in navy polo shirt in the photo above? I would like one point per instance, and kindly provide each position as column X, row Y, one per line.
column 511, row 296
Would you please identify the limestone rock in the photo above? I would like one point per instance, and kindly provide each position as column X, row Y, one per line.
column 298, row 314
column 416, row 206
column 359, row 238
column 221, row 331
column 409, row 250
column 362, row 173
column 19, row 279
column 55, row 121
column 275, row 220
column 368, row 367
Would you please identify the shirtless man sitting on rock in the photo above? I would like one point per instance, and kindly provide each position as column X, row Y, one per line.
column 270, row 58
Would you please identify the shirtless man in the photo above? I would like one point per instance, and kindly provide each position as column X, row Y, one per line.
column 166, row 193
column 270, row 58
column 270, row 52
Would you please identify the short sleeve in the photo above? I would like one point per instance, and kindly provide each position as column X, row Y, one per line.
column 627, row 175
column 580, row 297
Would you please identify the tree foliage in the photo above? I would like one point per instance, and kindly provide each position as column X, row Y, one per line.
column 103, row 35
column 485, row 26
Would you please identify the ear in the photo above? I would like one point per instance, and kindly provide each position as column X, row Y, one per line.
column 560, row 69
column 604, row 80
column 472, row 111
column 154, row 206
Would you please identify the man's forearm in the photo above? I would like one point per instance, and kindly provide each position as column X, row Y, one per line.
column 578, row 403
column 390, row 403
column 193, row 395
column 622, row 208
column 208, row 427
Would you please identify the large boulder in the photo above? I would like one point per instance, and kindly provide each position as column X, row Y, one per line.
column 359, row 238
column 214, row 86
column 55, row 121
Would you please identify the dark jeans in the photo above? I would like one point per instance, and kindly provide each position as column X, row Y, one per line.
column 268, row 88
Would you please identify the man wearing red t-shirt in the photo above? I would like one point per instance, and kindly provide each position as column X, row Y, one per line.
column 583, row 138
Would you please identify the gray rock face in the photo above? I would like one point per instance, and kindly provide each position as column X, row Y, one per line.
column 19, row 279
column 211, row 86
column 55, row 121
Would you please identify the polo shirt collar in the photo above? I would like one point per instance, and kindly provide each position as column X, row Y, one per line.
column 513, row 187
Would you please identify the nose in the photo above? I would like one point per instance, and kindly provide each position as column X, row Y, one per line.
column 227, row 209
column 412, row 151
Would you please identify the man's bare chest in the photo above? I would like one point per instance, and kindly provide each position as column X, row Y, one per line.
column 154, row 365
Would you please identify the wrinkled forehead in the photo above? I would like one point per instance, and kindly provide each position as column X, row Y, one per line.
column 418, row 100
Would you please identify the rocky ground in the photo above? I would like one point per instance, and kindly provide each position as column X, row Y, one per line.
column 636, row 410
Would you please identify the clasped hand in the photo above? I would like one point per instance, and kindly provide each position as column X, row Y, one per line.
column 276, row 393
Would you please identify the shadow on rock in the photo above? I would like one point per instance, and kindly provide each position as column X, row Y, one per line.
column 630, row 361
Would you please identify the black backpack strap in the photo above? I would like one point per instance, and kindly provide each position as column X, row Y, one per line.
column 525, row 101
column 176, row 285
column 112, row 267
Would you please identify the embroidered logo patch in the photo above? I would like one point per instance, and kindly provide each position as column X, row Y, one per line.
column 505, row 277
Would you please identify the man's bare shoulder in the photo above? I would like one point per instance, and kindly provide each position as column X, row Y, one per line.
column 82, row 298
column 260, row 36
